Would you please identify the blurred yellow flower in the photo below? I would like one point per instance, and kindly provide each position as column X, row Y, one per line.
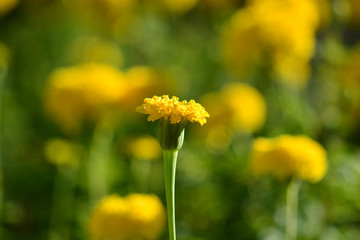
column 145, row 147
column 7, row 5
column 238, row 106
column 143, row 81
column 173, row 109
column 289, row 156
column 62, row 152
column 93, row 49
column 281, row 32
column 136, row 216
column 5, row 55
column 87, row 91
column 247, row 106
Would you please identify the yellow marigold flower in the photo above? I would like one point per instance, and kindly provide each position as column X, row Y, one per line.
column 7, row 5
column 173, row 109
column 136, row 216
column 62, row 152
column 264, row 30
column 145, row 147
column 287, row 156
column 87, row 91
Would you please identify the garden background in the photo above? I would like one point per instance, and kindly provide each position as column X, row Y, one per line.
column 73, row 72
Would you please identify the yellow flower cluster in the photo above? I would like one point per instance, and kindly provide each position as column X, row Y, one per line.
column 86, row 90
column 238, row 106
column 280, row 30
column 289, row 156
column 136, row 216
column 7, row 5
column 173, row 110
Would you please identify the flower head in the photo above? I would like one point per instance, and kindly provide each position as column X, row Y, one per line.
column 173, row 110
column 288, row 156
column 136, row 216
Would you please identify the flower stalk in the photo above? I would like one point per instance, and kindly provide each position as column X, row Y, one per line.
column 170, row 159
column 63, row 202
column 292, row 195
column 3, row 71
column 98, row 160
column 173, row 115
column 171, row 140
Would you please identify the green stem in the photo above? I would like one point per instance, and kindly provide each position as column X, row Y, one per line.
column 98, row 158
column 63, row 203
column 170, row 158
column 2, row 84
column 292, row 195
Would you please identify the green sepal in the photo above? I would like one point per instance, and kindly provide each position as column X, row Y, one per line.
column 172, row 135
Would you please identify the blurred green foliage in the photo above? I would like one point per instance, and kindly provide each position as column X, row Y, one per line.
column 217, row 197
